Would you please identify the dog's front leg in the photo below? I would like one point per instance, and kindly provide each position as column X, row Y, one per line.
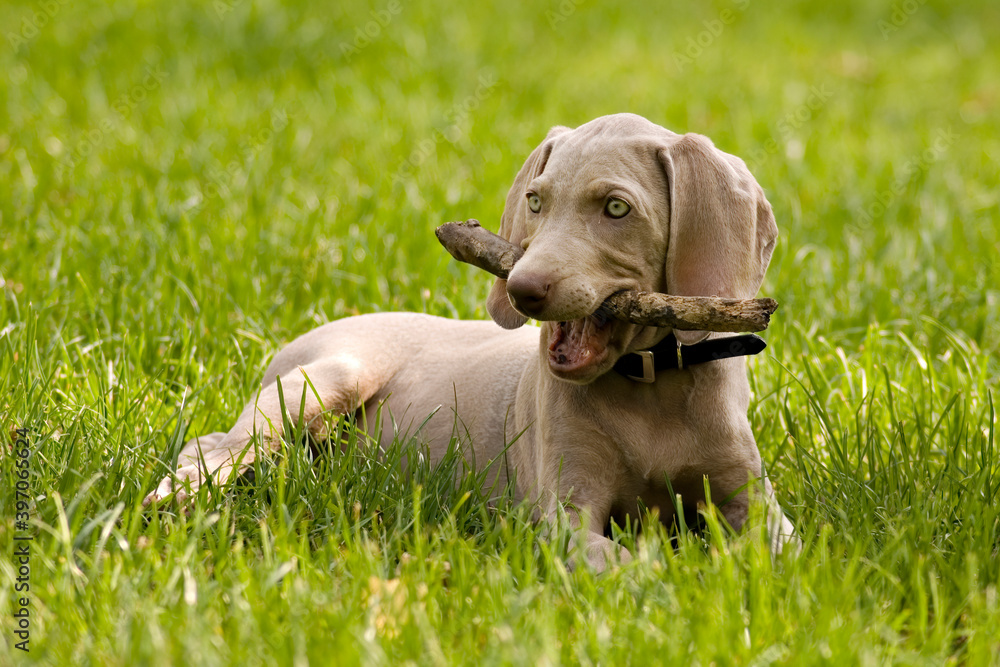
column 585, row 516
column 571, row 472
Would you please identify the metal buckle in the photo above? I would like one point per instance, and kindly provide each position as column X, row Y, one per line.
column 648, row 371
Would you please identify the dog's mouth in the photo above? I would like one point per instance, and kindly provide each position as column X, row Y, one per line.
column 576, row 346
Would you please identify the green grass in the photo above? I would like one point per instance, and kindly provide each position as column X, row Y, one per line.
column 185, row 187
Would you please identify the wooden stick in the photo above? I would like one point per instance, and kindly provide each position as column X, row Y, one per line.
column 471, row 243
column 702, row 313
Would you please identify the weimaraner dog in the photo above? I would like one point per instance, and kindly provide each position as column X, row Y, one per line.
column 597, row 426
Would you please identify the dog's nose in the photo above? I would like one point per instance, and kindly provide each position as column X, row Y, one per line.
column 527, row 292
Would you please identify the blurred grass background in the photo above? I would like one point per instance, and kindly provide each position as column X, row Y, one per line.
column 185, row 187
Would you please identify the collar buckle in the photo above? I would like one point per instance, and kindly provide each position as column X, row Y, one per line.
column 648, row 369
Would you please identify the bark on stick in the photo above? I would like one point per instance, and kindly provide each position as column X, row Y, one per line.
column 471, row 243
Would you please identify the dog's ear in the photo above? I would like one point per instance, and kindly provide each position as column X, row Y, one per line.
column 722, row 231
column 512, row 227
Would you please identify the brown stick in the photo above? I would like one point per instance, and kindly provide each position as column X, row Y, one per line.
column 471, row 243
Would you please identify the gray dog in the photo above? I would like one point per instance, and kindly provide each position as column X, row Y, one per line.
column 607, row 411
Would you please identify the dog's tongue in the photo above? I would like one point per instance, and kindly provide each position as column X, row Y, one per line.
column 579, row 343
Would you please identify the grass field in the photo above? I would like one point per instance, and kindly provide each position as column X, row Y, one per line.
column 185, row 187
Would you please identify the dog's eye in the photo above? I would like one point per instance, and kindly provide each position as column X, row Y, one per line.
column 617, row 208
column 534, row 202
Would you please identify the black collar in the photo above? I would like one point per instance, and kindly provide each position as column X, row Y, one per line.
column 641, row 366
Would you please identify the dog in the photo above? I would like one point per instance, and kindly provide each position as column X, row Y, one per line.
column 593, row 417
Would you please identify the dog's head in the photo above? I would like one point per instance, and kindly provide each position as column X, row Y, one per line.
column 622, row 203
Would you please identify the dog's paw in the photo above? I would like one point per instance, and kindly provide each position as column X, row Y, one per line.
column 781, row 534
column 181, row 485
column 604, row 554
